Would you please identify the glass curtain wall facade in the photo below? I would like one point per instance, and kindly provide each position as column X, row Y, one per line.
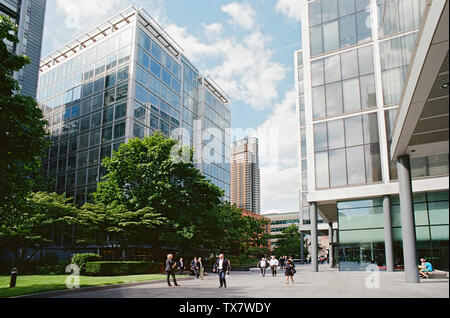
column 121, row 85
column 214, row 116
column 355, row 63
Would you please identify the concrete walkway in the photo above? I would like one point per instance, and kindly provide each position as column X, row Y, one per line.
column 325, row 284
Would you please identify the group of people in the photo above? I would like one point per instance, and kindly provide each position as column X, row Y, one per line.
column 222, row 267
column 196, row 267
column 284, row 263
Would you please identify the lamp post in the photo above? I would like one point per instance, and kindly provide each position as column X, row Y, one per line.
column 13, row 280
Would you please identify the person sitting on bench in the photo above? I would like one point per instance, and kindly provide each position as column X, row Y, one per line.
column 425, row 268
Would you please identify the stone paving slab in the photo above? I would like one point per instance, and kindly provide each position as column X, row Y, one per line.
column 325, row 284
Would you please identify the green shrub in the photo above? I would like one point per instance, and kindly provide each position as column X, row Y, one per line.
column 117, row 268
column 82, row 259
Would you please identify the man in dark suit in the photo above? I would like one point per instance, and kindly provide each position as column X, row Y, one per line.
column 181, row 266
column 222, row 267
column 194, row 267
column 170, row 269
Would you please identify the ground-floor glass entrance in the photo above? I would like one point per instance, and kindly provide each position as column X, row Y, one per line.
column 362, row 237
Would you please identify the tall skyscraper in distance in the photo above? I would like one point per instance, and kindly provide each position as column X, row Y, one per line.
column 29, row 15
column 245, row 175
column 123, row 79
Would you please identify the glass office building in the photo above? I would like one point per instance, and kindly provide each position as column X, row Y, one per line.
column 350, row 76
column 29, row 16
column 124, row 79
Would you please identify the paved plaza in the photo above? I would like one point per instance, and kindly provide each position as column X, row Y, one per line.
column 325, row 284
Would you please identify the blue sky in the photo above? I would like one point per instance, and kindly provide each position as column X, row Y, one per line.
column 246, row 46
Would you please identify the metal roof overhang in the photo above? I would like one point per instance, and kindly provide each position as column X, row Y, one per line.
column 422, row 126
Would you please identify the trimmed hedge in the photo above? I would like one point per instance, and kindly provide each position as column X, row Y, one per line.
column 118, row 268
column 82, row 259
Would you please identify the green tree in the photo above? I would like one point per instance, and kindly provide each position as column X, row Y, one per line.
column 44, row 219
column 288, row 243
column 102, row 225
column 22, row 129
column 142, row 176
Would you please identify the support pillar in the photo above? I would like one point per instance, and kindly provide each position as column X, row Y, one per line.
column 314, row 238
column 302, row 249
column 408, row 220
column 331, row 251
column 388, row 242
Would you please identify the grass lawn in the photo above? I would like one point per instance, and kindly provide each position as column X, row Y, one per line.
column 41, row 283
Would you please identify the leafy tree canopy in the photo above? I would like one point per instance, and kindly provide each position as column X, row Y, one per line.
column 22, row 129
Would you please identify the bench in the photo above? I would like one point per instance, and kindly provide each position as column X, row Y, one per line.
column 438, row 274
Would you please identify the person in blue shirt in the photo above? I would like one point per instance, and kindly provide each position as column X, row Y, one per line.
column 425, row 268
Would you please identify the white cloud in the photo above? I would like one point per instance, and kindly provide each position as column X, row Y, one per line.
column 279, row 145
column 290, row 8
column 81, row 14
column 213, row 30
column 241, row 14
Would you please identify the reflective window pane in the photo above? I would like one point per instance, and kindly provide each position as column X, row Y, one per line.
column 362, row 5
column 352, row 99
column 346, row 7
column 368, row 91
column 338, row 176
column 363, row 29
column 330, row 36
column 316, row 40
column 315, row 13
column 317, row 75
column 370, row 126
column 334, row 99
column 336, row 136
column 347, row 30
column 373, row 163
column 318, row 102
column 322, row 176
column 356, row 170
column 329, row 10
column 332, row 69
column 353, row 131
column 320, row 137
column 349, row 65
column 365, row 60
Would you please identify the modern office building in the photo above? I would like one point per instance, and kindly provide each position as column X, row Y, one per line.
column 29, row 15
column 373, row 110
column 127, row 78
column 245, row 175
column 281, row 221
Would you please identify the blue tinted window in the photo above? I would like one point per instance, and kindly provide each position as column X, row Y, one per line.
column 155, row 68
column 143, row 58
column 156, row 51
column 141, row 94
column 166, row 78
column 176, row 70
column 75, row 110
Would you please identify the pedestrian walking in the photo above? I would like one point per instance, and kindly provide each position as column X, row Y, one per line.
column 201, row 269
column 289, row 271
column 180, row 266
column 222, row 267
column 281, row 261
column 262, row 265
column 194, row 267
column 273, row 266
column 170, row 270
